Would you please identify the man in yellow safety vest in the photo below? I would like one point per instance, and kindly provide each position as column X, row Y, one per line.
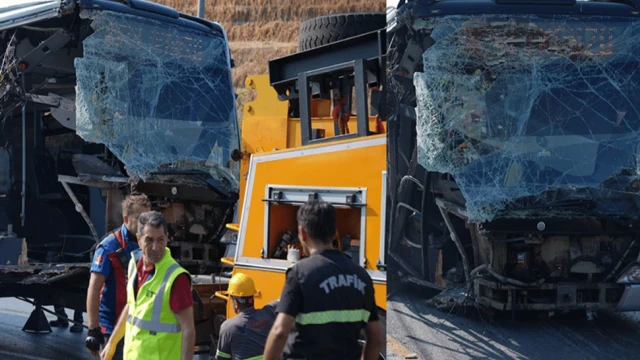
column 157, row 322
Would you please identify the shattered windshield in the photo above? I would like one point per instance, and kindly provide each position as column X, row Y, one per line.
column 158, row 95
column 530, row 111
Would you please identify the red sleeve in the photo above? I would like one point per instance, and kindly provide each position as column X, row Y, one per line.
column 181, row 297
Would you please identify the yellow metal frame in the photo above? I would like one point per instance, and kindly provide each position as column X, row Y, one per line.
column 272, row 155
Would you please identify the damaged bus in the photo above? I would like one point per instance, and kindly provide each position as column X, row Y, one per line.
column 514, row 149
column 99, row 99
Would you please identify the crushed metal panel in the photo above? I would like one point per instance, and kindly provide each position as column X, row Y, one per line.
column 41, row 273
column 51, row 276
column 528, row 111
column 159, row 96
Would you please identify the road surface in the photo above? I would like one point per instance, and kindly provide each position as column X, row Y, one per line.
column 419, row 329
column 61, row 344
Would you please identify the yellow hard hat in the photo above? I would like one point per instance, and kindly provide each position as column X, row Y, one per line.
column 241, row 285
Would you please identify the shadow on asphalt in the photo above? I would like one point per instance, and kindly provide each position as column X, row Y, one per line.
column 60, row 344
column 467, row 333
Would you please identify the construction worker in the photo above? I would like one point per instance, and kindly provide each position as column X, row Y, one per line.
column 326, row 300
column 157, row 322
column 243, row 336
column 107, row 294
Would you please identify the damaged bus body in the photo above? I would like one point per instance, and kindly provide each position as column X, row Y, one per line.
column 513, row 137
column 100, row 99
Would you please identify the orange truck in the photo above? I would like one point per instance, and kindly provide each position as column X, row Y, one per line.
column 297, row 146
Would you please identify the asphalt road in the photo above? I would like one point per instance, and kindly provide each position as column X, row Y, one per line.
column 422, row 330
column 15, row 344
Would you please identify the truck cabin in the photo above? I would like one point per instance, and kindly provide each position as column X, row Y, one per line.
column 326, row 92
column 296, row 147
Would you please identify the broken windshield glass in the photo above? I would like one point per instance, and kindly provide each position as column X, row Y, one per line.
column 158, row 95
column 527, row 110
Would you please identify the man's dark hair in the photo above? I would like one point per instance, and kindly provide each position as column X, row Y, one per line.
column 152, row 218
column 318, row 219
column 244, row 302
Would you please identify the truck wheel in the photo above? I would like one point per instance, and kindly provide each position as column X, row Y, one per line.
column 324, row 30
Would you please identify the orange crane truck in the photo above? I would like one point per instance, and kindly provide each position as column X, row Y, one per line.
column 299, row 144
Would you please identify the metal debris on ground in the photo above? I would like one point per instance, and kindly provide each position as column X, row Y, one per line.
column 450, row 297
column 396, row 350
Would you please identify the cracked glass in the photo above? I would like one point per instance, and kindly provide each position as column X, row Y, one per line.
column 533, row 114
column 159, row 96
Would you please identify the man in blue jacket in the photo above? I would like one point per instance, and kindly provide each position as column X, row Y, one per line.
column 107, row 295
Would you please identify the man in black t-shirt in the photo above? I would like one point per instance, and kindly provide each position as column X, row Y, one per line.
column 327, row 299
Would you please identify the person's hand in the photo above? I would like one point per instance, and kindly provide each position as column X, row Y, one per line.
column 293, row 254
column 94, row 340
column 107, row 352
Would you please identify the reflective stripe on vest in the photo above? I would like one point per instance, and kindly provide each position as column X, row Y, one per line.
column 339, row 316
column 155, row 326
column 228, row 356
column 222, row 354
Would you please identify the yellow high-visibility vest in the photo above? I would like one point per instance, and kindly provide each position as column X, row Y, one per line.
column 152, row 330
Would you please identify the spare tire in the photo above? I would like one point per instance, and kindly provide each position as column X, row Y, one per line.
column 327, row 29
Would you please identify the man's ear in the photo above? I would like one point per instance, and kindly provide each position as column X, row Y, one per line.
column 302, row 234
